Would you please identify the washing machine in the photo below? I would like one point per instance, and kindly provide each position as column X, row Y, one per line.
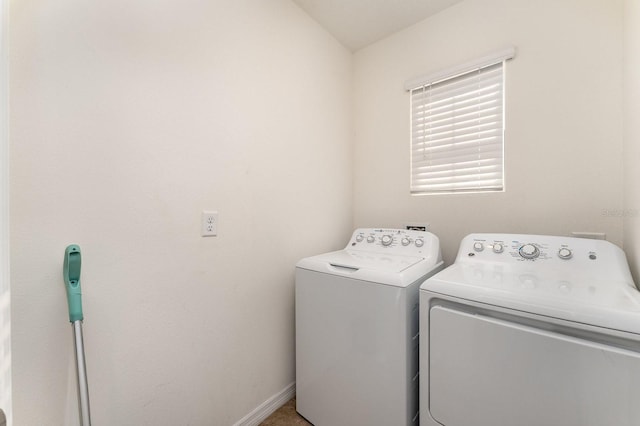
column 530, row 330
column 357, row 328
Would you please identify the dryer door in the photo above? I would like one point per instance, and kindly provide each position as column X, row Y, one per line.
column 487, row 372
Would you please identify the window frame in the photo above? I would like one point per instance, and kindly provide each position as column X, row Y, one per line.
column 464, row 179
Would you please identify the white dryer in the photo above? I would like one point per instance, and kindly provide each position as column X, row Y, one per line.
column 357, row 328
column 531, row 330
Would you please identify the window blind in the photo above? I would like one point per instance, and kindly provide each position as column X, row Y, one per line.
column 457, row 132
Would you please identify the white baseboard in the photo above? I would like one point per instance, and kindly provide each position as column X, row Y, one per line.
column 267, row 408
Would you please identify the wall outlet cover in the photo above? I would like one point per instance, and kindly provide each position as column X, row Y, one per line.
column 209, row 223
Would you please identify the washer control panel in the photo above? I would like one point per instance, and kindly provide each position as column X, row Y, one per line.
column 397, row 241
column 529, row 248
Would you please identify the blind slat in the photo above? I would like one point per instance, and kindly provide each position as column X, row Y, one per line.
column 491, row 144
column 461, row 175
column 483, row 83
column 479, row 103
column 430, row 137
column 447, row 166
column 464, row 157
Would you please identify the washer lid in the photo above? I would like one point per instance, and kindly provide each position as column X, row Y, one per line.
column 574, row 297
column 382, row 268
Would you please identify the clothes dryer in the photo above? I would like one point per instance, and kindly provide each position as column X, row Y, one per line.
column 530, row 330
column 357, row 328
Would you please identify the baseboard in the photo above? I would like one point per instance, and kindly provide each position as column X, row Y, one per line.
column 267, row 408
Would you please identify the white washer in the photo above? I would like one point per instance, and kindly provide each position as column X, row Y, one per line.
column 530, row 330
column 357, row 328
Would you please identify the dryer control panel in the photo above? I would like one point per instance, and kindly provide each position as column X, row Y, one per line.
column 543, row 254
column 396, row 241
column 568, row 275
column 531, row 248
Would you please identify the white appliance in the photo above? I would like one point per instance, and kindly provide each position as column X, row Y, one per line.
column 357, row 328
column 530, row 330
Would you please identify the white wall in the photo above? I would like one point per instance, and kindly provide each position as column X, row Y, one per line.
column 563, row 136
column 128, row 118
column 631, row 211
column 5, row 295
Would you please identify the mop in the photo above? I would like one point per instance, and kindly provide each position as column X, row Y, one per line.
column 71, row 273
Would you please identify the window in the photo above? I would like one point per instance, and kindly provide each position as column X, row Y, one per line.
column 457, row 128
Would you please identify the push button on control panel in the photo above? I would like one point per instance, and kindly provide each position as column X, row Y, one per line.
column 565, row 253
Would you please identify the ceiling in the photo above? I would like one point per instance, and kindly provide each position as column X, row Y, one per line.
column 357, row 23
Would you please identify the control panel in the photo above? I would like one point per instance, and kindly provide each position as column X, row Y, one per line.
column 396, row 241
column 528, row 248
column 551, row 265
column 531, row 248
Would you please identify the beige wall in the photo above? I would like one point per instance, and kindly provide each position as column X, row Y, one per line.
column 631, row 211
column 563, row 136
column 127, row 120
column 130, row 118
column 5, row 296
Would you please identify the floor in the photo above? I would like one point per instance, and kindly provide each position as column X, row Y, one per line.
column 286, row 416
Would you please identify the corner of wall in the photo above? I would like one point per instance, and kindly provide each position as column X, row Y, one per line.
column 631, row 135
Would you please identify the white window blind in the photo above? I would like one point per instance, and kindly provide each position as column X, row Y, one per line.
column 457, row 131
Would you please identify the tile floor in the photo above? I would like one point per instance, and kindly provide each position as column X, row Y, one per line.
column 286, row 416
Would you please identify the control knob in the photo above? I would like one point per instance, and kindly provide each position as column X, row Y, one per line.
column 478, row 246
column 386, row 240
column 419, row 242
column 498, row 247
column 370, row 239
column 565, row 253
column 529, row 251
column 359, row 238
column 405, row 241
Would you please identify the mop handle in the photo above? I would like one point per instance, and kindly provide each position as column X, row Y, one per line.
column 71, row 272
